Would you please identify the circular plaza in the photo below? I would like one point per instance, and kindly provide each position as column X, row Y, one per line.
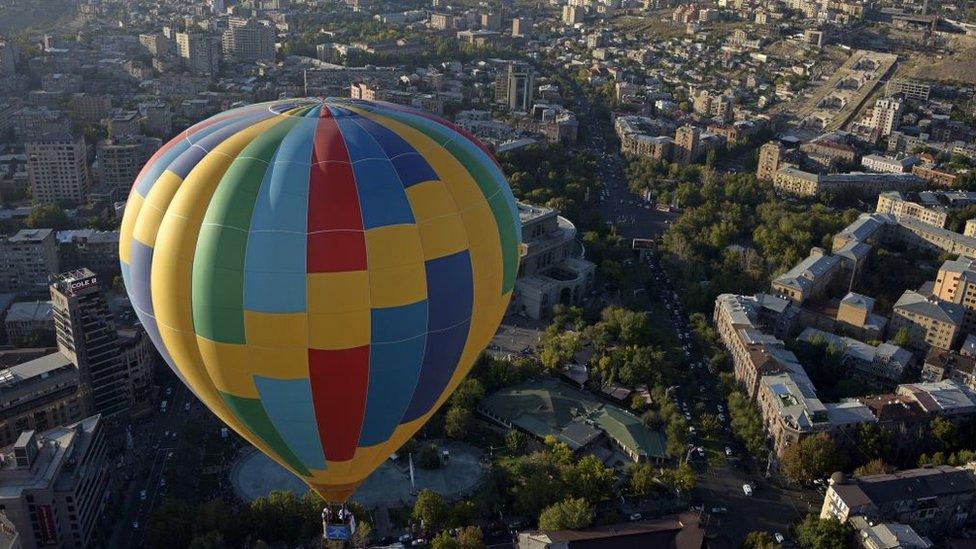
column 254, row 475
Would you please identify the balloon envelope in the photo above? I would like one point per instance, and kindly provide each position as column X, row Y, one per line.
column 321, row 273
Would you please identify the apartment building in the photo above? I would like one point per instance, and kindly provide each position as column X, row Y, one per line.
column 200, row 52
column 909, row 205
column 248, row 40
column 936, row 501
column 53, row 484
column 956, row 283
column 929, row 321
column 808, row 279
column 796, row 182
column 27, row 259
column 941, row 364
column 769, row 155
column 40, row 394
column 883, row 363
column 57, row 167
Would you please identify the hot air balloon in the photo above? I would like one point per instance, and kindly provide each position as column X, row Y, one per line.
column 321, row 273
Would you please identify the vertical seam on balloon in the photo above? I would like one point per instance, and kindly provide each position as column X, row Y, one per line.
column 423, row 255
column 308, row 323
column 384, row 447
column 369, row 289
column 369, row 285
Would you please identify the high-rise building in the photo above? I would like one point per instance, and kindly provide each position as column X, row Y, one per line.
column 887, row 115
column 91, row 108
column 57, row 167
column 199, row 52
column 521, row 26
column 53, row 484
column 768, row 161
column 159, row 120
column 956, row 283
column 121, row 158
column 572, row 15
column 521, row 84
column 39, row 394
column 685, row 147
column 249, row 40
column 86, row 335
column 27, row 259
column 9, row 57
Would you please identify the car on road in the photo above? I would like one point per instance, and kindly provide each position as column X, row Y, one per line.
column 746, row 489
column 780, row 538
column 142, row 495
column 719, row 510
column 135, row 525
column 636, row 516
column 728, row 451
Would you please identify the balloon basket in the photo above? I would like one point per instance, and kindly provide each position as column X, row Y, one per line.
column 338, row 523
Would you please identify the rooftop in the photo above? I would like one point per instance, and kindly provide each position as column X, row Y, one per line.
column 26, row 311
column 931, row 307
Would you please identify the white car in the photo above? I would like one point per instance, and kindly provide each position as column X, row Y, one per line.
column 779, row 537
column 746, row 489
column 142, row 495
column 728, row 451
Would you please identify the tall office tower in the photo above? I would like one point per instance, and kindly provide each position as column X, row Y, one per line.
column 86, row 335
column 249, row 40
column 768, row 161
column 199, row 52
column 57, row 168
column 121, row 158
column 887, row 115
column 521, row 84
column 686, row 144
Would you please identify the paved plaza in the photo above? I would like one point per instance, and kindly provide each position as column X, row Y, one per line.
column 255, row 475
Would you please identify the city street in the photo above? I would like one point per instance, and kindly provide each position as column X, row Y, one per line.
column 154, row 441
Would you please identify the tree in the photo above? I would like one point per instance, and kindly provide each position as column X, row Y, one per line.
column 814, row 457
column 558, row 348
column 589, row 479
column 363, row 531
column 47, row 216
column 211, row 540
column 902, row 337
column 457, row 421
column 681, row 479
column 470, row 537
column 642, row 479
column 428, row 457
column 429, row 509
column 468, row 394
column 444, row 540
column 758, row 539
column 515, row 441
column 817, row 533
column 873, row 467
column 569, row 514
column 943, row 432
column 462, row 513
